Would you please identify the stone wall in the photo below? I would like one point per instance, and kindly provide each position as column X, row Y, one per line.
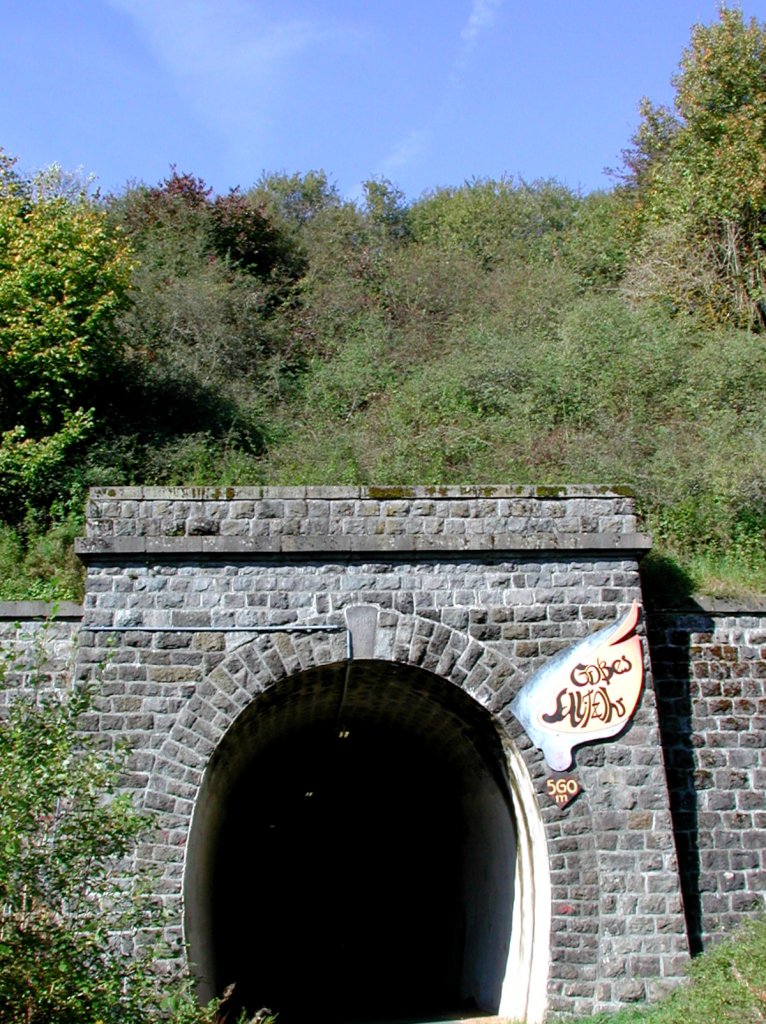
column 710, row 673
column 39, row 640
column 710, row 676
column 279, row 517
column 478, row 586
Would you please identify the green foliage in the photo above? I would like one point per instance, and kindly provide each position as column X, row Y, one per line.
column 296, row 199
column 58, row 845
column 199, row 320
column 358, row 373
column 596, row 243
column 721, row 103
column 210, row 275
column 41, row 565
column 492, row 331
column 385, row 208
column 207, row 336
column 699, row 178
column 242, row 233
column 32, row 470
column 199, row 459
column 63, row 278
column 650, row 145
column 493, row 220
column 598, row 392
column 726, row 987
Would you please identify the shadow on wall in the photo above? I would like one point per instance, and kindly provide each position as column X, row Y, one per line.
column 664, row 584
column 669, row 642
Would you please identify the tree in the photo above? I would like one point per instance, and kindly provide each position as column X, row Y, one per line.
column 296, row 198
column 699, row 177
column 494, row 221
column 210, row 275
column 385, row 208
column 64, row 276
column 242, row 232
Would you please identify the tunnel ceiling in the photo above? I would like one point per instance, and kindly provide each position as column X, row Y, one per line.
column 377, row 696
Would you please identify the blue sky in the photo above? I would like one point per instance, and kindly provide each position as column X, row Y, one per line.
column 425, row 93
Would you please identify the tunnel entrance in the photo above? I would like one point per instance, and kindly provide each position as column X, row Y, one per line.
column 353, row 853
column 359, row 904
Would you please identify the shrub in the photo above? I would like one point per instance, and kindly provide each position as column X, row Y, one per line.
column 41, row 565
column 66, row 893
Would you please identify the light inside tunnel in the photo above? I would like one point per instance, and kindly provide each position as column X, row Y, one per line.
column 353, row 851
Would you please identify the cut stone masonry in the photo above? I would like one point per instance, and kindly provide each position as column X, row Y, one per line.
column 462, row 591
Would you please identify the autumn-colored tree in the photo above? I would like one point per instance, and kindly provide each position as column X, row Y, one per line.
column 699, row 174
column 64, row 275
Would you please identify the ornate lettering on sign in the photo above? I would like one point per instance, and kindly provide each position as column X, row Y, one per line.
column 585, row 693
column 577, row 710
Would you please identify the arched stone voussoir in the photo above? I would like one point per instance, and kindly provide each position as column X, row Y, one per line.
column 248, row 671
column 272, row 657
column 448, row 652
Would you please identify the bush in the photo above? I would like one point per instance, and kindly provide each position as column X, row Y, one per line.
column 41, row 565
column 66, row 893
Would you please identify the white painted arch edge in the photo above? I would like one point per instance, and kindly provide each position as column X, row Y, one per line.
column 524, row 992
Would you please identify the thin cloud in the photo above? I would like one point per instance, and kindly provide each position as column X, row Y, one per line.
column 228, row 57
column 414, row 145
column 406, row 152
column 193, row 37
column 481, row 19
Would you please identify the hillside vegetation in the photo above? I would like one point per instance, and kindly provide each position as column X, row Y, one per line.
column 726, row 986
column 500, row 331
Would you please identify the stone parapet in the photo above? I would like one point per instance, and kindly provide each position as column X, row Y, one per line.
column 452, row 515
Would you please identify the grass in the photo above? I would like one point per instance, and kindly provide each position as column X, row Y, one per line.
column 670, row 579
column 41, row 566
column 726, row 984
column 728, row 574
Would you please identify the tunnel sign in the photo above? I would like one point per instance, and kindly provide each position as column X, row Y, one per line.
column 588, row 692
column 562, row 789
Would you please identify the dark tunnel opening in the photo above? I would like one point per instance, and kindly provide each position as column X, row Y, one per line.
column 355, row 862
column 357, row 857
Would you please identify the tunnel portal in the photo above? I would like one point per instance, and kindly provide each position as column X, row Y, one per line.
column 433, row 864
column 353, row 851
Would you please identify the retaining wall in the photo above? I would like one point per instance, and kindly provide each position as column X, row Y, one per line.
column 710, row 676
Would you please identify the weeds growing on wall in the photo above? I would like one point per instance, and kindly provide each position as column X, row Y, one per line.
column 40, row 565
